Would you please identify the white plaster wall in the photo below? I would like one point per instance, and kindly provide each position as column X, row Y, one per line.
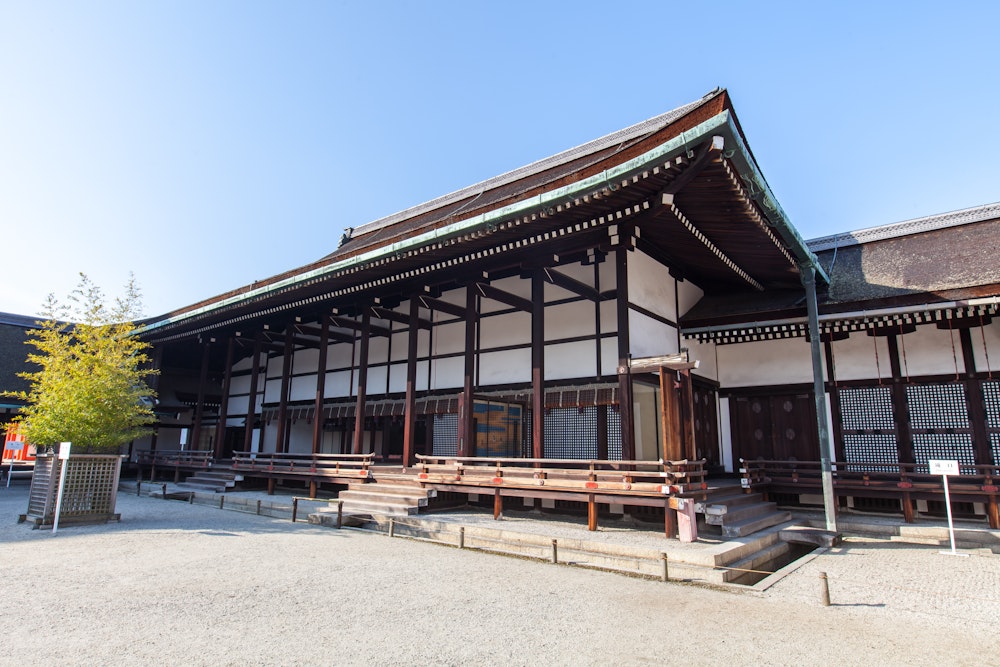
column 609, row 277
column 988, row 357
column 501, row 330
column 447, row 373
column 726, row 435
column 449, row 338
column 397, row 378
column 504, row 367
column 377, row 378
column 378, row 351
column 651, row 286
column 765, row 363
column 569, row 360
column 688, row 294
column 338, row 384
column 650, row 338
column 928, row 351
column 338, row 355
column 422, row 375
column 515, row 285
column 609, row 356
column 609, row 316
column 400, row 345
column 855, row 358
column 303, row 388
column 273, row 388
column 240, row 384
column 704, row 354
column 305, row 361
column 556, row 293
column 569, row 320
column 300, row 437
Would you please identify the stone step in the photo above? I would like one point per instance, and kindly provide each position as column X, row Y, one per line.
column 203, row 486
column 720, row 504
column 378, row 495
column 327, row 517
column 739, row 513
column 752, row 525
column 754, row 561
column 377, row 507
column 219, row 475
column 807, row 535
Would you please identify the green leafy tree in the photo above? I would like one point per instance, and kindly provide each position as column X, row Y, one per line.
column 91, row 384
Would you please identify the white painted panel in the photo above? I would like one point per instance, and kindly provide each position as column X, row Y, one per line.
column 856, row 357
column 651, row 286
column 582, row 272
column 377, row 376
column 770, row 362
column 570, row 360
column 650, row 338
column 304, row 361
column 647, row 424
column 704, row 354
column 505, row 367
column 688, row 294
column 338, row 384
column 556, row 293
column 569, row 320
column 378, row 350
column 422, row 375
column 237, row 405
column 609, row 356
column 449, row 338
column 303, row 388
column 609, row 317
column 608, row 275
column 400, row 345
column 273, row 388
column 988, row 356
column 929, row 351
column 243, row 364
column 514, row 285
column 503, row 330
column 239, row 384
column 338, row 355
column 397, row 378
column 448, row 373
column 300, row 437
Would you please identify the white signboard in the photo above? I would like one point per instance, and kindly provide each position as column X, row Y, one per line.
column 943, row 467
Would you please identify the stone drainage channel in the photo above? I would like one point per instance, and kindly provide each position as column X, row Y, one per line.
column 756, row 562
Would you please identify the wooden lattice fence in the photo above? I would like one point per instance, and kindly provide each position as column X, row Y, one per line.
column 88, row 497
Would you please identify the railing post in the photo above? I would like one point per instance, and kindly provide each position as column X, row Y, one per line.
column 295, row 509
column 824, row 590
column 555, row 551
column 340, row 513
column 461, row 537
column 666, row 567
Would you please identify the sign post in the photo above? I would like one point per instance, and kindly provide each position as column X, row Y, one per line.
column 946, row 468
column 12, row 447
column 64, row 457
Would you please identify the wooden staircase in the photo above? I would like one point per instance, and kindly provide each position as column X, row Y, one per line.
column 392, row 497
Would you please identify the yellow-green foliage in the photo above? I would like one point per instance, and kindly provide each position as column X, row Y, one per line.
column 91, row 386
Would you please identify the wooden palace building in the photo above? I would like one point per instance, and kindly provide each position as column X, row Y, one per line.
column 639, row 297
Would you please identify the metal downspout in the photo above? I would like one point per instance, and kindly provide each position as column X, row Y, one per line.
column 808, row 275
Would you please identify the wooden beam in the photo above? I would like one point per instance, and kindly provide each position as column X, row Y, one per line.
column 286, row 381
column 220, row 427
column 687, row 415
column 502, row 296
column 252, row 400
column 571, row 284
column 442, row 306
column 466, row 425
column 410, row 409
column 199, row 411
column 706, row 153
column 359, row 410
column 372, row 329
column 318, row 332
column 670, row 416
column 624, row 353
column 400, row 318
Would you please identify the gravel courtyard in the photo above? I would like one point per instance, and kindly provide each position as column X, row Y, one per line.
column 179, row 584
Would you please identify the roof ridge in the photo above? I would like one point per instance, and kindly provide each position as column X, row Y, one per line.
column 927, row 223
column 638, row 129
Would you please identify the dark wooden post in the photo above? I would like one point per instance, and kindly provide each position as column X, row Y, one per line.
column 318, row 419
column 199, row 410
column 624, row 354
column 975, row 401
column 227, row 375
column 687, row 415
column 900, row 405
column 359, row 410
column 538, row 364
column 252, row 401
column 466, row 424
column 286, row 377
column 670, row 416
column 410, row 409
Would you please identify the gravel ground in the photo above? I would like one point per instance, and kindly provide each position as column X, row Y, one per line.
column 189, row 584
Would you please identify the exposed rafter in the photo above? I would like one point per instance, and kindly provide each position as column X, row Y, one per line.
column 571, row 284
column 708, row 152
column 500, row 295
column 442, row 306
column 400, row 318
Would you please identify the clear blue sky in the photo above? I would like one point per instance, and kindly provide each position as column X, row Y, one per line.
column 204, row 145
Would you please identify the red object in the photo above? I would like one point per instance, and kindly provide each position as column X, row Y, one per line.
column 591, row 485
column 24, row 453
column 497, row 480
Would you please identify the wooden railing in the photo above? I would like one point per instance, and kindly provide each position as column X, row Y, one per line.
column 177, row 458
column 325, row 465
column 907, row 481
column 627, row 477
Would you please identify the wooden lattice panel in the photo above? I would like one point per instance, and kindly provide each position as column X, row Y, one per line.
column 935, row 406
column 866, row 408
column 571, row 433
column 445, row 441
column 871, row 448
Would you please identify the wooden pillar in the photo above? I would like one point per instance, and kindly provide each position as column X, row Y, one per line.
column 227, row 374
column 687, row 415
column 312, row 488
column 602, row 432
column 199, row 410
column 624, row 355
column 670, row 417
column 466, row 422
column 900, row 405
column 359, row 409
column 669, row 519
column 318, row 419
column 497, row 504
column 410, row 407
column 591, row 513
column 538, row 364
column 975, row 401
column 252, row 401
column 286, row 378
